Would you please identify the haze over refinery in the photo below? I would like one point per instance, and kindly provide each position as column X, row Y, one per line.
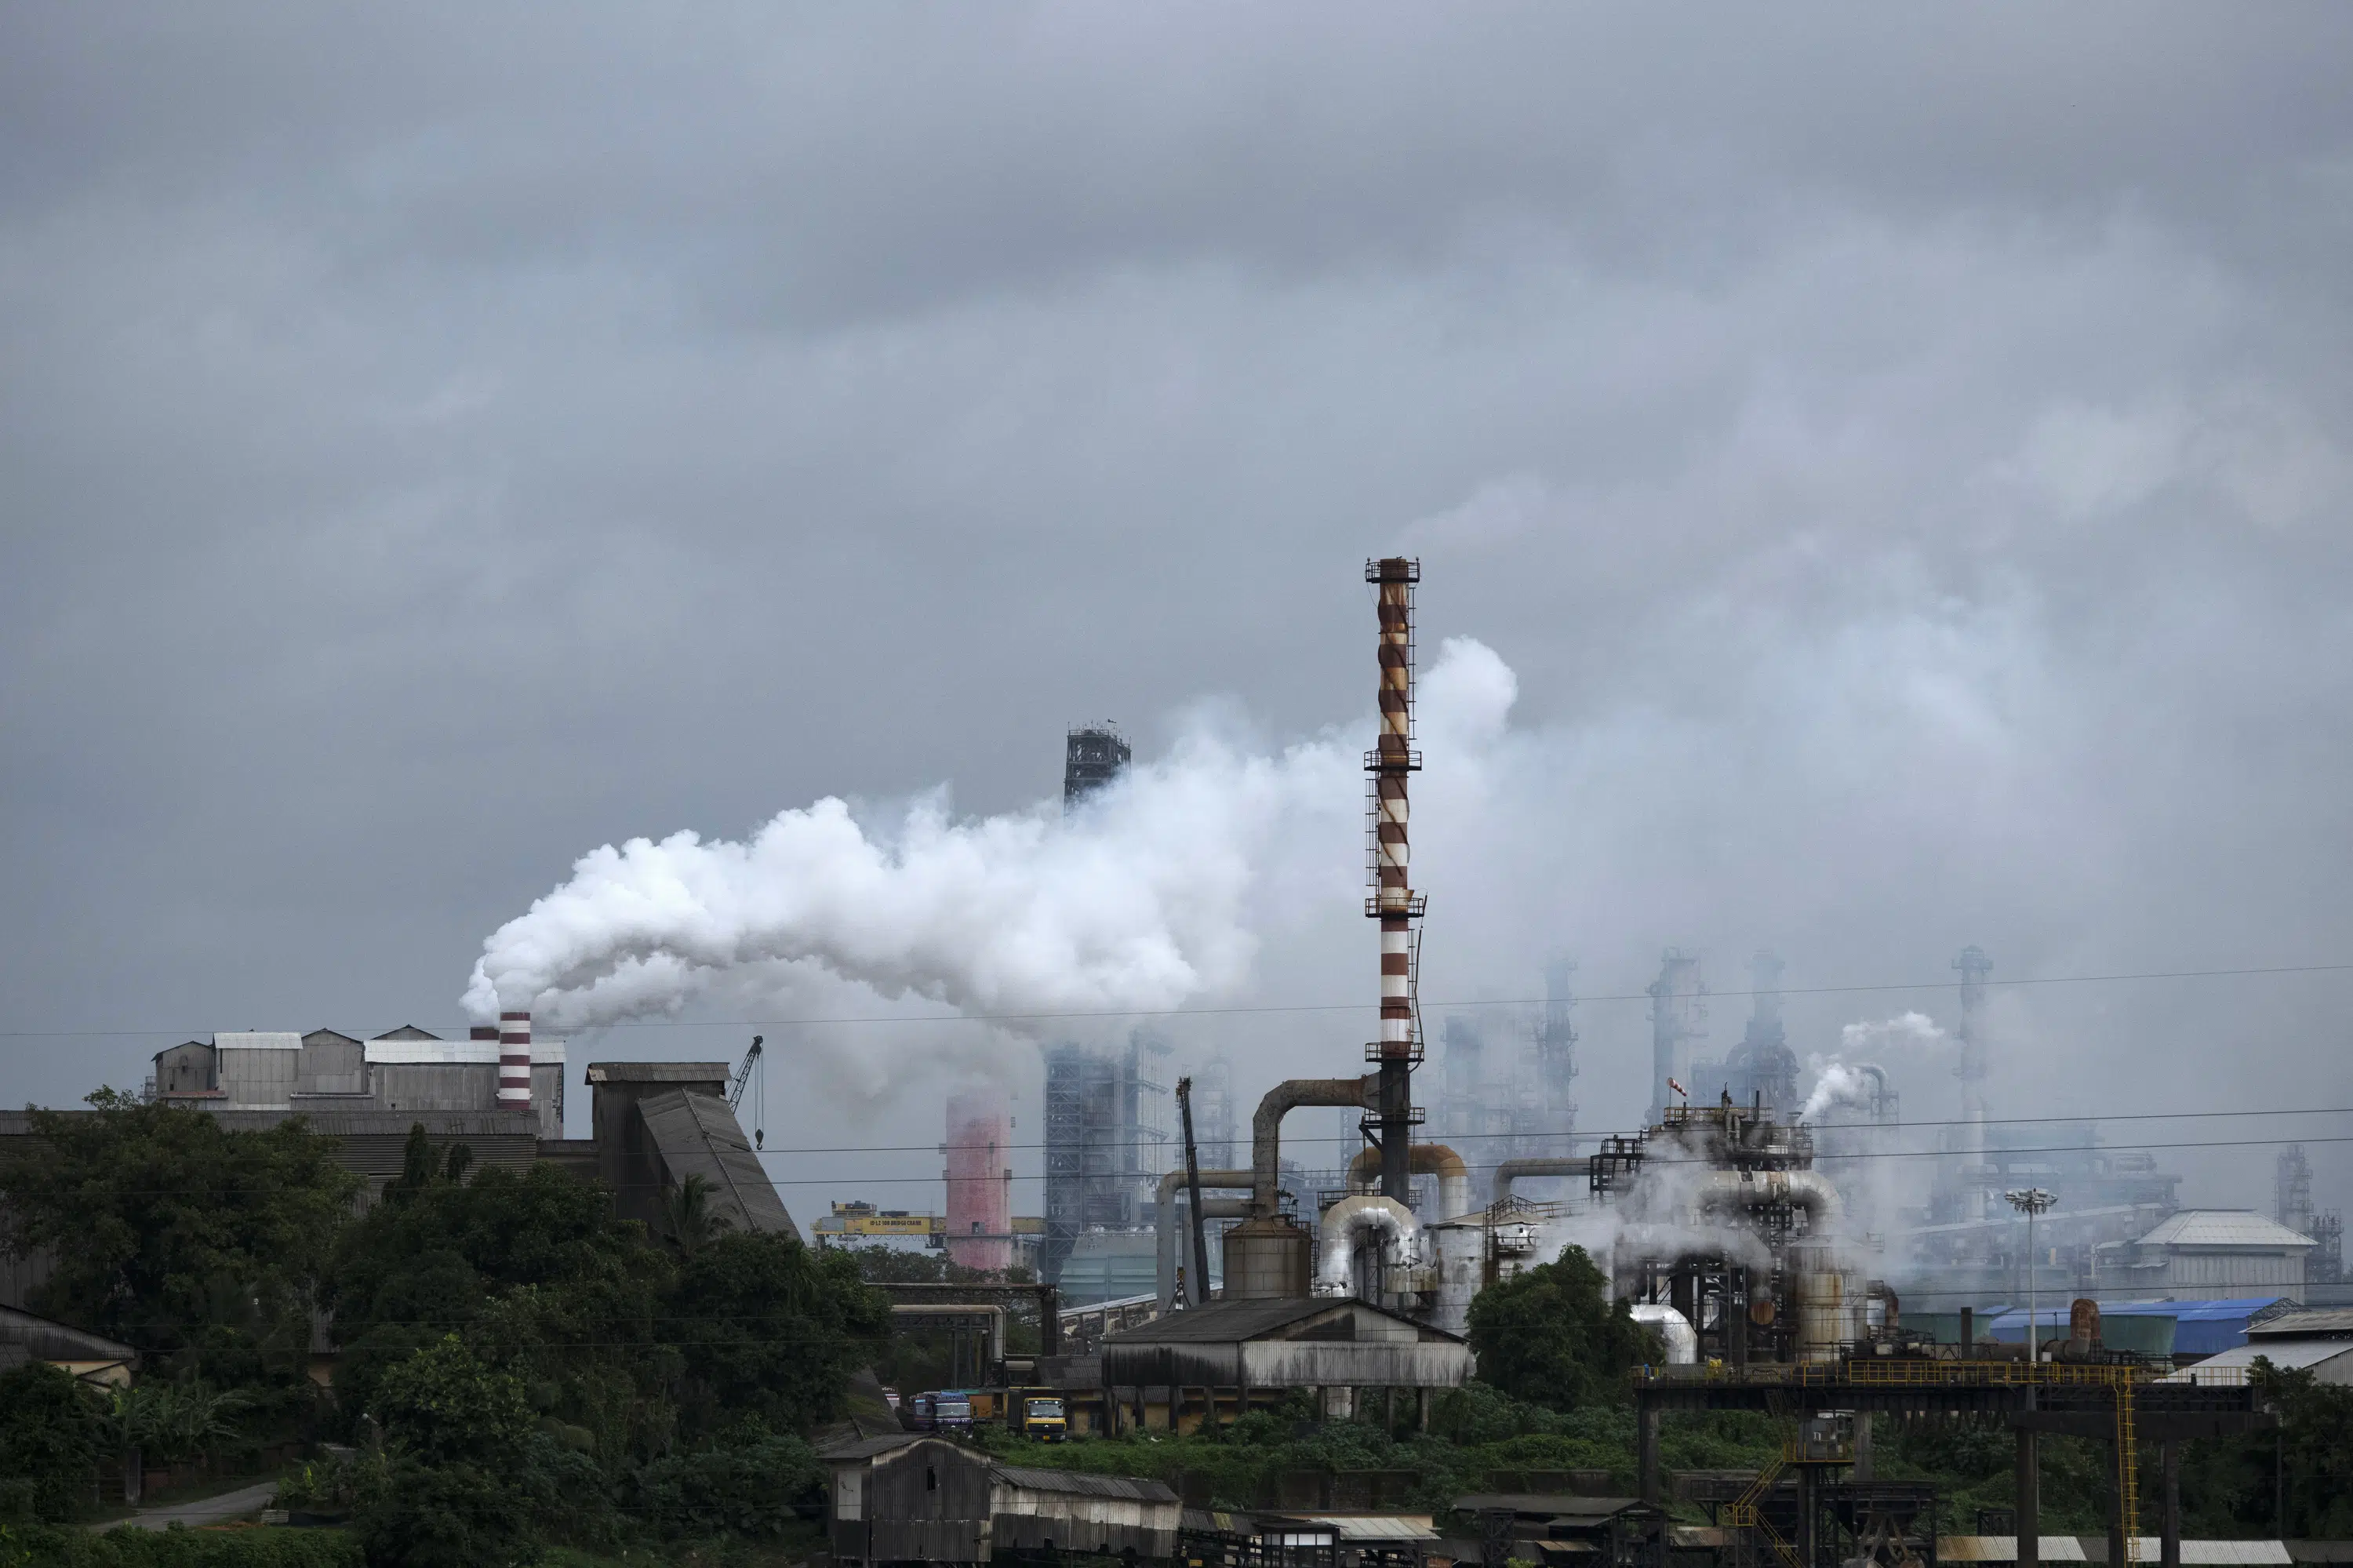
column 620, row 520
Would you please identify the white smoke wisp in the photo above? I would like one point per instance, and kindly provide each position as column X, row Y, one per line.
column 1839, row 1084
column 1907, row 1031
column 1154, row 892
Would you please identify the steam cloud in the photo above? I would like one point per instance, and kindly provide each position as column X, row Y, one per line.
column 1149, row 895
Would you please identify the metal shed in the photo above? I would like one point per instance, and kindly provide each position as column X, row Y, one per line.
column 912, row 1499
column 1286, row 1343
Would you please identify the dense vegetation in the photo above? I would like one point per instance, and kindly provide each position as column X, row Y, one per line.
column 523, row 1373
column 519, row 1366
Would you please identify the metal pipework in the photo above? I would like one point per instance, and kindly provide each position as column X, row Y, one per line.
column 1426, row 1160
column 1674, row 1331
column 1511, row 1170
column 514, row 1060
column 1807, row 1189
column 1347, row 1222
column 1165, row 1271
column 1394, row 903
column 1266, row 1128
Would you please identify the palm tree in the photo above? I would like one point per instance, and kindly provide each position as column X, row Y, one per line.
column 688, row 1216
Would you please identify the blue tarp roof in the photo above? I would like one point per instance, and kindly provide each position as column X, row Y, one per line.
column 2201, row 1327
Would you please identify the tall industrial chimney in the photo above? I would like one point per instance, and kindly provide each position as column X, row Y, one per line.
column 1393, row 901
column 1974, row 966
column 514, row 1060
column 980, row 1182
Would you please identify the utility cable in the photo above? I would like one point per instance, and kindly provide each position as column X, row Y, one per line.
column 1238, row 1009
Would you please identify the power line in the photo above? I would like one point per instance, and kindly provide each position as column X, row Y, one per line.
column 1242, row 1010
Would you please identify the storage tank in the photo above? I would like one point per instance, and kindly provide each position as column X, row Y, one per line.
column 1266, row 1258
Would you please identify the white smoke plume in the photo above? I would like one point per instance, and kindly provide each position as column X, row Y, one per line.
column 1907, row 1031
column 1839, row 1084
column 1152, row 893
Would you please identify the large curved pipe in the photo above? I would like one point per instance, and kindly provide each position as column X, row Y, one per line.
column 1266, row 1128
column 1423, row 1159
column 1511, row 1170
column 1674, row 1331
column 1807, row 1189
column 1165, row 1269
column 1345, row 1224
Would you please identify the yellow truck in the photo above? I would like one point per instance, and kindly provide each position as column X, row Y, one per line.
column 1039, row 1414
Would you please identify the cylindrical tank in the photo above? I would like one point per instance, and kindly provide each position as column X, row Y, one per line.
column 979, row 1179
column 1265, row 1258
column 1462, row 1260
column 1830, row 1302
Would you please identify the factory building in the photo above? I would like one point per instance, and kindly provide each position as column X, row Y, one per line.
column 325, row 1071
column 655, row 1123
column 2207, row 1252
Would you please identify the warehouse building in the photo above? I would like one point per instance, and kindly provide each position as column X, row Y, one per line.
column 912, row 1499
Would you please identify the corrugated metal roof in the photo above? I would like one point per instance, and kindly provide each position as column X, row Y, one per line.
column 2224, row 1227
column 696, row 1135
column 45, row 1339
column 657, row 1072
column 456, row 1052
column 258, row 1040
column 1366, row 1527
column 1223, row 1322
column 2289, row 1355
column 2319, row 1322
column 2201, row 1554
column 867, row 1448
column 1078, row 1483
column 1561, row 1505
column 2004, row 1549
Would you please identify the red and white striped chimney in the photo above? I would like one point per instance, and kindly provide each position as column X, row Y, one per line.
column 514, row 1060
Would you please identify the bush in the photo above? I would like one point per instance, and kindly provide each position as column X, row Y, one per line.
column 746, row 1485
column 52, row 1431
column 24, row 1546
column 1552, row 1337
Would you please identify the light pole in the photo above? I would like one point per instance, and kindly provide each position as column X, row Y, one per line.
column 2031, row 1202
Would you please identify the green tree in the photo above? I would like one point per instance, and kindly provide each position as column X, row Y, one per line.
column 200, row 1245
column 1551, row 1336
column 538, row 1274
column 452, row 1492
column 766, row 1326
column 52, row 1430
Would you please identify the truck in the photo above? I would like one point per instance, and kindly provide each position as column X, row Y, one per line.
column 1035, row 1414
column 952, row 1412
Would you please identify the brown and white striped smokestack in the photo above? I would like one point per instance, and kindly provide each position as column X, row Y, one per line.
column 514, row 1060
column 1394, row 902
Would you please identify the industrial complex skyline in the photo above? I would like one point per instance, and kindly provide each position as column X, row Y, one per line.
column 1855, row 547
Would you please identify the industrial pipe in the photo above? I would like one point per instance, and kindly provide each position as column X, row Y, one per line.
column 1427, row 1160
column 1511, row 1170
column 1674, row 1331
column 1266, row 1128
column 1347, row 1222
column 1807, row 1189
column 1165, row 1273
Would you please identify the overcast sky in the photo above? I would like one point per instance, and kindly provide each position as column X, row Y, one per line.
column 1900, row 455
